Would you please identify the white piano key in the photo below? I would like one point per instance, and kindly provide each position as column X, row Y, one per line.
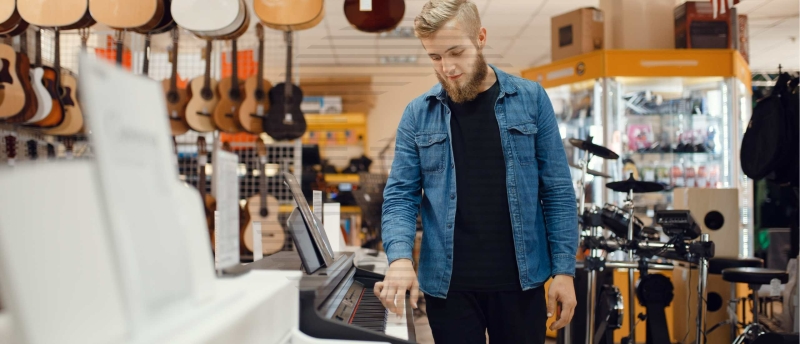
column 397, row 325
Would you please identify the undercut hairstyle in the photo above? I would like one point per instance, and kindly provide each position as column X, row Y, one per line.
column 436, row 13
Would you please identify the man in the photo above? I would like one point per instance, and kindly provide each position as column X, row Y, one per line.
column 498, row 208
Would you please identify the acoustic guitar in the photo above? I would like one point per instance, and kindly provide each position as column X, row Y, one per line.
column 210, row 18
column 13, row 92
column 167, row 23
column 285, row 120
column 289, row 15
column 64, row 14
column 209, row 202
column 230, row 90
column 9, row 15
column 264, row 208
column 67, row 86
column 23, row 69
column 56, row 115
column 128, row 14
column 256, row 103
column 204, row 98
column 177, row 98
column 45, row 99
column 374, row 16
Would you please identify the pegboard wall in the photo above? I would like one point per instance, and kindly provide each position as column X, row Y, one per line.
column 26, row 144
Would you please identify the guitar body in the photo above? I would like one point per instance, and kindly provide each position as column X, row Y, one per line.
column 274, row 124
column 255, row 106
column 288, row 15
column 127, row 14
column 210, row 206
column 56, row 114
column 31, row 104
column 244, row 220
column 73, row 116
column 226, row 113
column 166, row 23
column 209, row 18
column 9, row 15
column 385, row 15
column 201, row 105
column 272, row 233
column 14, row 93
column 176, row 108
column 53, row 13
column 44, row 102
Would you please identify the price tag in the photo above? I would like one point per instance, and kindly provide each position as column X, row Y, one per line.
column 258, row 252
column 775, row 287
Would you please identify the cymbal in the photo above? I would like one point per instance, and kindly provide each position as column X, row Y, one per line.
column 590, row 171
column 635, row 185
column 596, row 150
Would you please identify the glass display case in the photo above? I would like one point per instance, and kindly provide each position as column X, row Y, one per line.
column 674, row 116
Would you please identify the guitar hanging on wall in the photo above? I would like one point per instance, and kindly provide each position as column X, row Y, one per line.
column 285, row 120
column 67, row 86
column 204, row 98
column 374, row 16
column 177, row 98
column 230, row 89
column 256, row 103
column 264, row 208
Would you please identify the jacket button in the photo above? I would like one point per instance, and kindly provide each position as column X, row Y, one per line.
column 449, row 256
column 449, row 225
column 452, row 196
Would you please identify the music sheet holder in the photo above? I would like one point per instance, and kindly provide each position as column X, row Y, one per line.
column 307, row 231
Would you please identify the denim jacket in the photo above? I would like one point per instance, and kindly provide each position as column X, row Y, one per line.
column 541, row 198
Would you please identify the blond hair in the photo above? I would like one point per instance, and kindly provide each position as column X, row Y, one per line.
column 436, row 13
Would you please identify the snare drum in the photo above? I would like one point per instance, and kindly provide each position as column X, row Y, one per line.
column 616, row 220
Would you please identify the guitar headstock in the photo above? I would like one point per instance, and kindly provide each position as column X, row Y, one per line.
column 176, row 34
column 226, row 146
column 11, row 147
column 33, row 149
column 260, row 31
column 261, row 148
column 201, row 146
column 51, row 151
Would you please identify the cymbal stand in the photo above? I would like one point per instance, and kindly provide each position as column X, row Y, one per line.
column 702, row 261
column 593, row 253
column 631, row 302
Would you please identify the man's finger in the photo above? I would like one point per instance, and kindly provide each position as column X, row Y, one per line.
column 388, row 300
column 570, row 310
column 377, row 289
column 551, row 304
column 400, row 300
column 414, row 294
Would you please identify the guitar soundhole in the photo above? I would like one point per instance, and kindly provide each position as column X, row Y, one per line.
column 234, row 94
column 65, row 96
column 264, row 212
column 260, row 95
column 173, row 97
column 5, row 75
column 206, row 93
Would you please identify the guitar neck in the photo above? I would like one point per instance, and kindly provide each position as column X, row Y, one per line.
column 207, row 75
column 201, row 174
column 38, row 40
column 288, row 84
column 120, row 39
column 146, row 62
column 173, row 82
column 259, row 83
column 23, row 43
column 234, row 64
column 262, row 182
column 57, row 56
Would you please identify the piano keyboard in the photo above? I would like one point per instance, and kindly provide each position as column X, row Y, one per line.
column 360, row 307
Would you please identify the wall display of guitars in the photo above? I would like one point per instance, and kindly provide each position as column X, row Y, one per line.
column 374, row 16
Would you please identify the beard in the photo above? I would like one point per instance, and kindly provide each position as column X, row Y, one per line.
column 470, row 90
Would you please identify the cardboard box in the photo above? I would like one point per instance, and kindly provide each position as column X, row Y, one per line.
column 637, row 24
column 575, row 33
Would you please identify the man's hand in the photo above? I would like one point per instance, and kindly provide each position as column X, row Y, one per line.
column 561, row 290
column 399, row 278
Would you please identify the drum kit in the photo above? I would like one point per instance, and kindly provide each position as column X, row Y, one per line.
column 632, row 236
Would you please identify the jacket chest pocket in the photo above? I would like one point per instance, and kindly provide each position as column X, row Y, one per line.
column 432, row 151
column 523, row 137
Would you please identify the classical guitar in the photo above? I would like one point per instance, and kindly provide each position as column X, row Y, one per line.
column 264, row 208
column 128, row 14
column 9, row 15
column 209, row 202
column 230, row 90
column 44, row 98
column 285, row 120
column 23, row 69
column 64, row 14
column 67, row 86
column 176, row 97
column 374, row 16
column 256, row 103
column 289, row 15
column 167, row 23
column 210, row 19
column 204, row 98
column 13, row 92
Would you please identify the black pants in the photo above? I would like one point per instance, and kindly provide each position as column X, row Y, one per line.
column 517, row 317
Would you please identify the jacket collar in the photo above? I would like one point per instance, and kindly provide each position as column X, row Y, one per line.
column 507, row 85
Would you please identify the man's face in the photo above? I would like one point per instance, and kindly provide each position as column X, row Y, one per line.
column 458, row 61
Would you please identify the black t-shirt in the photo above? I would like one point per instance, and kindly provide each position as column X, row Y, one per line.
column 483, row 250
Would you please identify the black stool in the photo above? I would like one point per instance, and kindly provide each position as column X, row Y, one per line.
column 755, row 278
column 715, row 267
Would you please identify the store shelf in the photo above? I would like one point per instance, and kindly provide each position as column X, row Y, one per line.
column 345, row 209
column 341, row 178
